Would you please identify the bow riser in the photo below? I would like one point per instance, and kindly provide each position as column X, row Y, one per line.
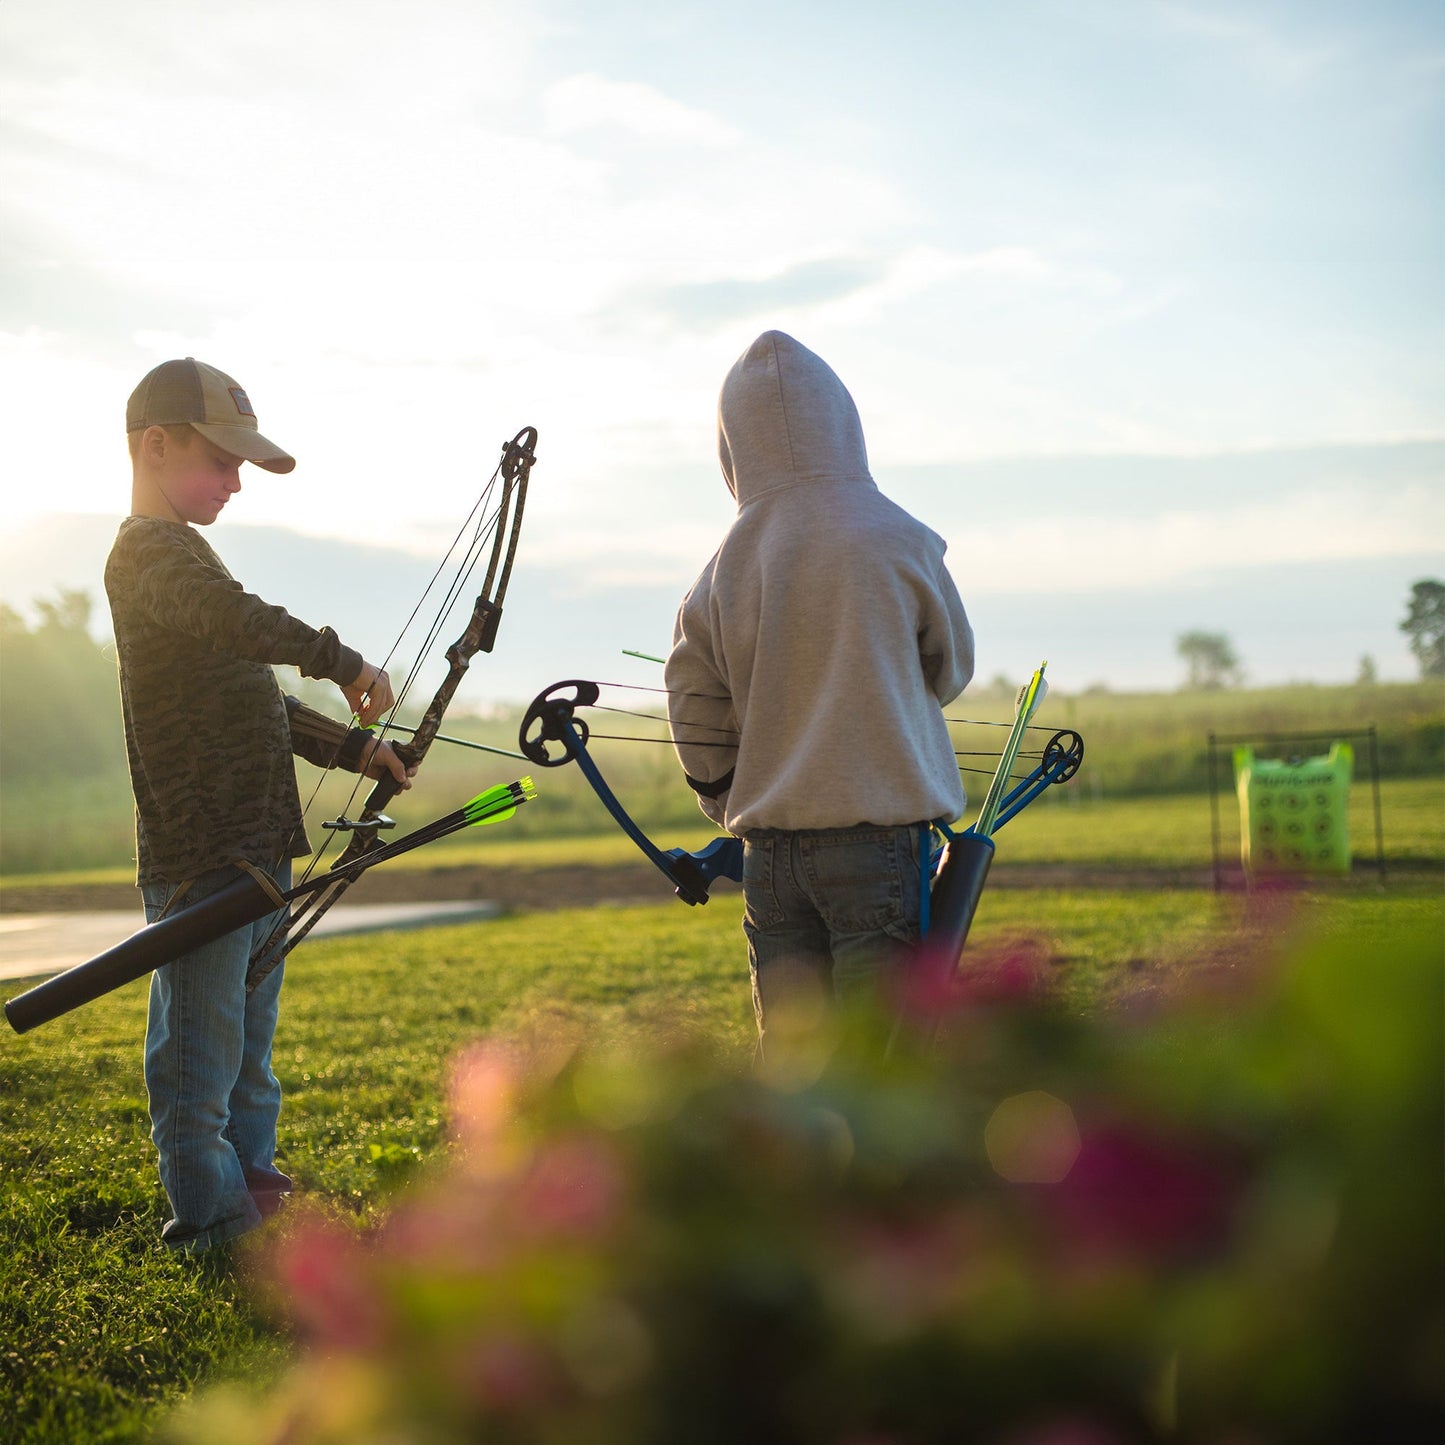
column 459, row 655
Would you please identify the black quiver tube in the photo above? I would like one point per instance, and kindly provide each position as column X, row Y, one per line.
column 954, row 898
column 251, row 897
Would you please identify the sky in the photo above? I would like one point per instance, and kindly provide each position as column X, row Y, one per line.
column 1143, row 304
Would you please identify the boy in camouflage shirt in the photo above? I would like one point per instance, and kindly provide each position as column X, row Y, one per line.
column 209, row 736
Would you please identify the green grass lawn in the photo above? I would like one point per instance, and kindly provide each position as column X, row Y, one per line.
column 1068, row 826
column 104, row 1331
column 1065, row 826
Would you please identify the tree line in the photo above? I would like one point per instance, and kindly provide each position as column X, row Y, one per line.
column 60, row 704
column 1211, row 661
column 59, row 700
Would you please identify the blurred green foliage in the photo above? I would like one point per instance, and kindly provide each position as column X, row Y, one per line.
column 59, row 701
column 1208, row 1216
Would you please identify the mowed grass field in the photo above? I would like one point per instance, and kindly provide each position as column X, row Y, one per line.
column 1066, row 827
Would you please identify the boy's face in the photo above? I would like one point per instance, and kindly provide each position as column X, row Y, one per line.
column 196, row 478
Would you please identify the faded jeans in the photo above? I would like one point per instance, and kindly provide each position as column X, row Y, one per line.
column 828, row 913
column 214, row 1099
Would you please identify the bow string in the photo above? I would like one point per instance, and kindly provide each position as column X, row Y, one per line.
column 495, row 523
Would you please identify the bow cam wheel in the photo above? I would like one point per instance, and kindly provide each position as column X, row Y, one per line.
column 1065, row 751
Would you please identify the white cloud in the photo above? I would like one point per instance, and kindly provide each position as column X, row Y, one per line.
column 590, row 102
column 1107, row 553
column 1278, row 58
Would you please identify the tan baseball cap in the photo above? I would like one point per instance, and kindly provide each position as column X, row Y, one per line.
column 190, row 391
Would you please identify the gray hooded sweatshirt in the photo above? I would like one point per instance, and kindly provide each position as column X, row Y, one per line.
column 814, row 654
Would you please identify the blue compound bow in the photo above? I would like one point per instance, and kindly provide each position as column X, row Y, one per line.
column 957, row 872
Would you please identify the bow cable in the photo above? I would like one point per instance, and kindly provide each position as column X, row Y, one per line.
column 488, row 523
column 676, row 725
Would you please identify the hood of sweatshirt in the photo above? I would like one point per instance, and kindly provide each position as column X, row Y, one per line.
column 784, row 419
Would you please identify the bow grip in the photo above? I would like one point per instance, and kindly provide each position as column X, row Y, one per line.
column 695, row 873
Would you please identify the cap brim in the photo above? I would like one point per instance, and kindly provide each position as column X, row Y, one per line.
column 241, row 441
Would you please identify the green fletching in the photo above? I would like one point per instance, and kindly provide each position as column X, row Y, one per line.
column 491, row 806
column 498, row 803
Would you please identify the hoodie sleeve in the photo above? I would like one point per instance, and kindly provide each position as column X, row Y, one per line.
column 945, row 640
column 700, row 706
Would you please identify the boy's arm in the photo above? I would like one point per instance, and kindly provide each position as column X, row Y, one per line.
column 945, row 639
column 328, row 743
column 323, row 740
column 190, row 591
column 699, row 707
column 181, row 583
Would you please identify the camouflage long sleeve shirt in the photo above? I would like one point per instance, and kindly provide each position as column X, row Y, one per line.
column 208, row 731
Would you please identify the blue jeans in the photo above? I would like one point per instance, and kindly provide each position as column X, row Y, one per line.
column 828, row 912
column 214, row 1100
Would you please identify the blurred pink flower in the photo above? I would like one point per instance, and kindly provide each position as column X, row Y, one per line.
column 573, row 1185
column 325, row 1276
column 454, row 1226
column 933, row 988
column 1015, row 974
column 1133, row 1192
column 482, row 1098
column 508, row 1372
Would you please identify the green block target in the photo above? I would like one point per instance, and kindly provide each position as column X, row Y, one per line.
column 1294, row 813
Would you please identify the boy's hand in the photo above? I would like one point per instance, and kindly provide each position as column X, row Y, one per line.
column 379, row 760
column 369, row 695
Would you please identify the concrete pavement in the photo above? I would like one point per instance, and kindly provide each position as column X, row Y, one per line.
column 36, row 944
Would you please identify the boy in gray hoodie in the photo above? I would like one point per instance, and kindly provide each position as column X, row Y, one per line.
column 823, row 639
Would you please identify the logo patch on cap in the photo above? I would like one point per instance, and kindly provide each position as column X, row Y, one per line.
column 243, row 402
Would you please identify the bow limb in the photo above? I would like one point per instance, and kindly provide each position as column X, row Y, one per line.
column 552, row 718
column 479, row 635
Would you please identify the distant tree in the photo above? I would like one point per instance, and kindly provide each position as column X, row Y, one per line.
column 68, row 613
column 1368, row 674
column 1424, row 624
column 59, row 704
column 12, row 624
column 1210, row 658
